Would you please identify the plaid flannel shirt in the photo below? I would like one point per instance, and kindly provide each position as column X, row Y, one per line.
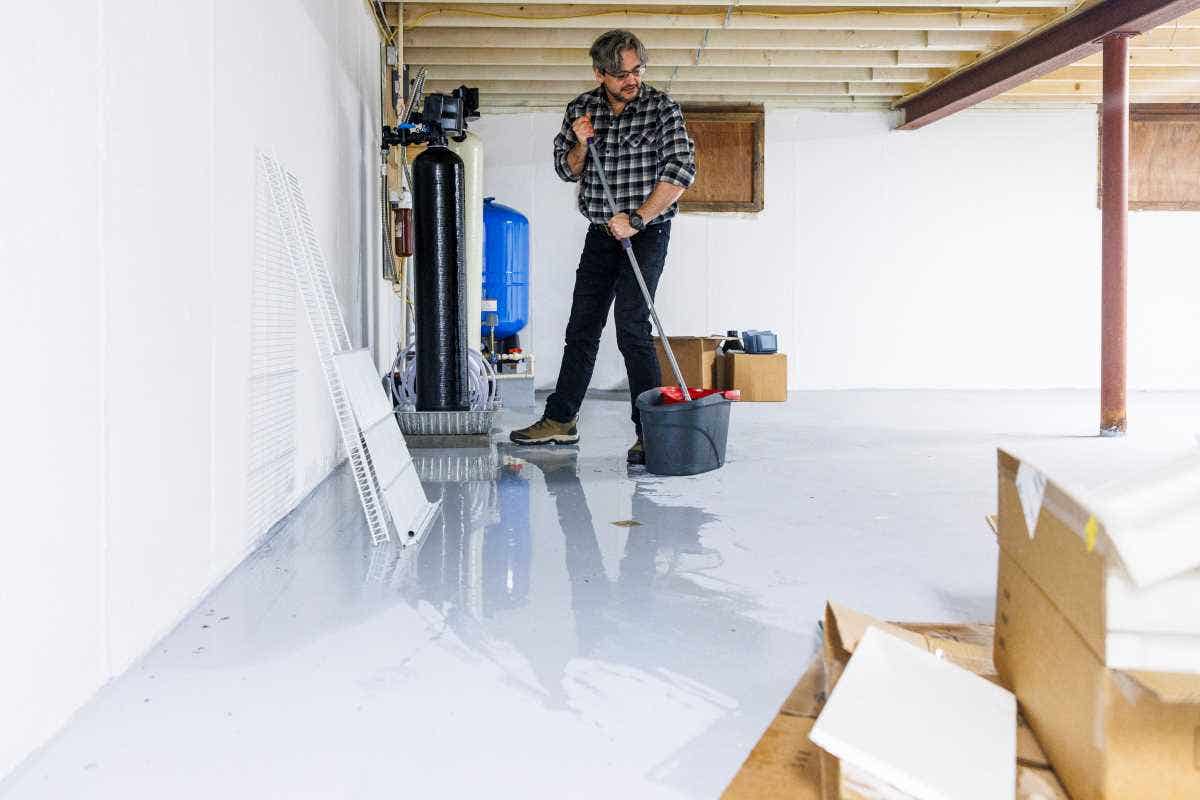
column 645, row 145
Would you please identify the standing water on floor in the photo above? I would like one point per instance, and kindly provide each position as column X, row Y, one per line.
column 571, row 627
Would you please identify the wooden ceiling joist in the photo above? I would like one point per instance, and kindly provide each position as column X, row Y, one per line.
column 726, row 17
column 662, row 76
column 757, row 59
column 829, row 53
column 1136, row 75
column 1151, row 58
column 1168, row 39
column 682, row 89
column 538, row 38
column 1094, row 89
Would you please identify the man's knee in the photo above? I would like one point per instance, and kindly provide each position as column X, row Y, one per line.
column 584, row 337
column 586, row 323
column 634, row 336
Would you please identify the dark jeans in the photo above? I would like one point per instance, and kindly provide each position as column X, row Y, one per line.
column 604, row 274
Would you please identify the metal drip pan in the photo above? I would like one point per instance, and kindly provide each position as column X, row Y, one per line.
column 446, row 423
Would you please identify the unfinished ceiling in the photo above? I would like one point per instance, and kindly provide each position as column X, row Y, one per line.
column 780, row 53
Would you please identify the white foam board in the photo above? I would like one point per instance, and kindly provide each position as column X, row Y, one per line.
column 922, row 725
column 1171, row 606
column 1152, row 519
column 1152, row 652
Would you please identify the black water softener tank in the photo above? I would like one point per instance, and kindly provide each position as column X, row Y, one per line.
column 441, row 281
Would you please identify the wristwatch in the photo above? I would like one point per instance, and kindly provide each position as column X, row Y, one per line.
column 636, row 222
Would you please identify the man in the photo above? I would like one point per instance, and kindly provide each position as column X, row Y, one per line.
column 649, row 161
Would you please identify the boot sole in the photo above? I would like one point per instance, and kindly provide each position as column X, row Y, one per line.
column 556, row 439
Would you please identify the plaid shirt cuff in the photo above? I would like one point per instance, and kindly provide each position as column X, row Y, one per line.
column 680, row 174
column 560, row 163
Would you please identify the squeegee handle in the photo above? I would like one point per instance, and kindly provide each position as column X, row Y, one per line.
column 637, row 273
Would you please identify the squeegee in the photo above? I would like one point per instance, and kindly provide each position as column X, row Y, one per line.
column 637, row 273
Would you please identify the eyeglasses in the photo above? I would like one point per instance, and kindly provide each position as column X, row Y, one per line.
column 637, row 71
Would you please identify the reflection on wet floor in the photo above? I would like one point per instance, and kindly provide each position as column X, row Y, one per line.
column 641, row 609
column 570, row 626
column 475, row 566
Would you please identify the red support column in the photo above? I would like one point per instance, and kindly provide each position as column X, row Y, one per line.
column 1114, row 157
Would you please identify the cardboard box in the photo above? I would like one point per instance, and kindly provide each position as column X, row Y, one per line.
column 784, row 763
column 697, row 358
column 1133, row 593
column 762, row 378
column 1110, row 733
column 968, row 646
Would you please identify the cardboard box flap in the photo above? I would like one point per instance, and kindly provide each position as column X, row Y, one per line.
column 1147, row 518
column 968, row 646
column 1168, row 687
column 1029, row 752
column 1066, row 502
column 845, row 627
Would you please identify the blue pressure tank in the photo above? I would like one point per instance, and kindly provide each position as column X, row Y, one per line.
column 505, row 269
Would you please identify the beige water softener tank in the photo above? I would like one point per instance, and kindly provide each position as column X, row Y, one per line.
column 471, row 152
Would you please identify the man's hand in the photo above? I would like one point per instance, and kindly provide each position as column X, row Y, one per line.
column 577, row 155
column 583, row 128
column 619, row 227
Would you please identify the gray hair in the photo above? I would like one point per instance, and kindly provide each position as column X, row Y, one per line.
column 606, row 50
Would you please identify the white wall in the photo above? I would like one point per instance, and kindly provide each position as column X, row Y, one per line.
column 964, row 255
column 127, row 247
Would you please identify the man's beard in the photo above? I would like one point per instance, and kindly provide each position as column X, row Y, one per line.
column 618, row 96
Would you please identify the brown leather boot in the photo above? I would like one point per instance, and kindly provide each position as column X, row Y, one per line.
column 546, row 431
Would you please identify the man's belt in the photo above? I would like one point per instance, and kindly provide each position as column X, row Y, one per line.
column 598, row 228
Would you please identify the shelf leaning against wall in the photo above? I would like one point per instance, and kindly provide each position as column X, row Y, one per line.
column 396, row 496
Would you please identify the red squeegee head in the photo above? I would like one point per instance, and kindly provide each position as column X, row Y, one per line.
column 670, row 395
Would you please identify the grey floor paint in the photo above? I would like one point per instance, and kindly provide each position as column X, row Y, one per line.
column 572, row 627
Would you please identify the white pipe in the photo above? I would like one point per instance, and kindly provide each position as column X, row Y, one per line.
column 471, row 152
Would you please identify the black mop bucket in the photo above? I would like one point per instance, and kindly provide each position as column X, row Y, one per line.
column 683, row 438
